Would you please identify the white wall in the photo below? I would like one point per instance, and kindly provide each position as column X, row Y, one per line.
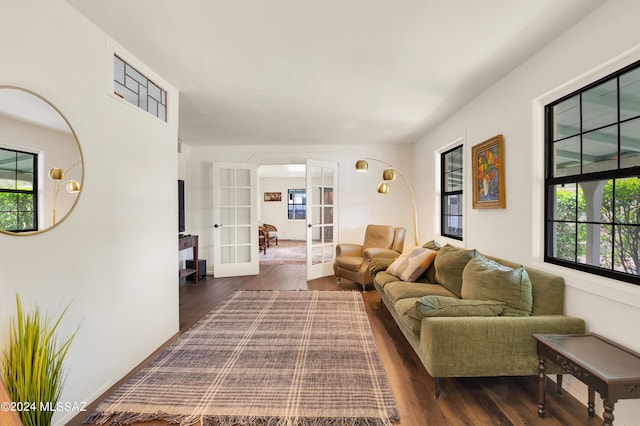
column 276, row 212
column 359, row 203
column 114, row 258
column 513, row 107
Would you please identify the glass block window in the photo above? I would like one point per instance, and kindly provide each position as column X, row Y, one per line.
column 131, row 85
column 18, row 190
column 592, row 184
column 451, row 190
column 297, row 203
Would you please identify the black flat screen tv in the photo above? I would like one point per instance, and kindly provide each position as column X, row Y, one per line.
column 181, row 227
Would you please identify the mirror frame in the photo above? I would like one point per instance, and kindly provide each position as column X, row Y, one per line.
column 75, row 138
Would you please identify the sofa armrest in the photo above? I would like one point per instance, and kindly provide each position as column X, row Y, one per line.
column 488, row 346
column 371, row 252
column 348, row 249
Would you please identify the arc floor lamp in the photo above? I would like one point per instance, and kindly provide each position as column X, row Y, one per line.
column 389, row 175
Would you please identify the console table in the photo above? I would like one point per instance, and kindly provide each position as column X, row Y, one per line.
column 604, row 366
column 189, row 241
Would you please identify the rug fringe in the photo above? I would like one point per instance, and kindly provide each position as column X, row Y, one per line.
column 123, row 419
column 294, row 421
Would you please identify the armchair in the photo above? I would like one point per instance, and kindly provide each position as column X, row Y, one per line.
column 352, row 260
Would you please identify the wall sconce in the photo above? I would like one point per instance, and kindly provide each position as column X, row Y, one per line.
column 56, row 174
column 389, row 175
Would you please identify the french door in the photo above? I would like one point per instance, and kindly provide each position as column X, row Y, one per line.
column 322, row 217
column 235, row 229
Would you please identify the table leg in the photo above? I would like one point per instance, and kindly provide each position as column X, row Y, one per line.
column 559, row 384
column 542, row 381
column 608, row 412
column 591, row 406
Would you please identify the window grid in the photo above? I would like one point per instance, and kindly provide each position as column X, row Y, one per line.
column 592, row 185
column 134, row 87
column 18, row 190
column 297, row 203
column 451, row 183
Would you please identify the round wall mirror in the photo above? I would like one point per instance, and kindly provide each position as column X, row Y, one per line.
column 41, row 163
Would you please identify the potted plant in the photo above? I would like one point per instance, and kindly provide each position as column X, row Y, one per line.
column 32, row 368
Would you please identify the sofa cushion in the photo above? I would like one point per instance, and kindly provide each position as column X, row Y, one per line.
column 449, row 264
column 486, row 279
column 442, row 306
column 409, row 268
column 383, row 278
column 402, row 290
column 403, row 307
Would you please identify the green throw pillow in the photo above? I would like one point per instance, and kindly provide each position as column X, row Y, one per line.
column 449, row 264
column 486, row 279
column 442, row 306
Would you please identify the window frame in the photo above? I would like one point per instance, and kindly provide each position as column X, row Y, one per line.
column 33, row 192
column 143, row 100
column 552, row 180
column 445, row 194
column 291, row 203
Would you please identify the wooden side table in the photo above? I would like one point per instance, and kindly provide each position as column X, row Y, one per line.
column 189, row 241
column 604, row 366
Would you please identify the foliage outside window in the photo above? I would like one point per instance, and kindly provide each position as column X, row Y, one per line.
column 451, row 190
column 18, row 190
column 297, row 203
column 593, row 178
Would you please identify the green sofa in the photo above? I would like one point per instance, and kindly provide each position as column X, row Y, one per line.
column 458, row 336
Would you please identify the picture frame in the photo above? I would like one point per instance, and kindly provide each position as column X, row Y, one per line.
column 273, row 196
column 488, row 176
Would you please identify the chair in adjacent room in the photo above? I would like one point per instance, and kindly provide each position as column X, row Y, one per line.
column 272, row 234
column 262, row 240
column 352, row 260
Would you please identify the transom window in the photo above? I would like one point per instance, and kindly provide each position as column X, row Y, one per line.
column 18, row 190
column 133, row 86
column 297, row 203
column 592, row 183
column 451, row 190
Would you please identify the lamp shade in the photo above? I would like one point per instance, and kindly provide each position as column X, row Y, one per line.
column 388, row 174
column 56, row 173
column 384, row 188
column 362, row 165
column 73, row 186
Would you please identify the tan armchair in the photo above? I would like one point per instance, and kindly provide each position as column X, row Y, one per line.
column 352, row 260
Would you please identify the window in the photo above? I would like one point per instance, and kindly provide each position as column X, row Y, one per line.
column 297, row 203
column 18, row 189
column 451, row 190
column 131, row 85
column 592, row 183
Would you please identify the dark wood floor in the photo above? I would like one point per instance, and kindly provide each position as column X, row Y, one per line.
column 468, row 401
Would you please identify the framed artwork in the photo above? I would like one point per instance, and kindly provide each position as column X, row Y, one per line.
column 488, row 174
column 273, row 196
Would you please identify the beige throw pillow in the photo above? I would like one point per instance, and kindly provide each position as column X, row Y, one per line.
column 412, row 263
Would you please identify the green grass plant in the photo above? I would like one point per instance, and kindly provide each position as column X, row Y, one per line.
column 32, row 367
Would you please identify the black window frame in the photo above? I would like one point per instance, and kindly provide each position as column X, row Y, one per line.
column 291, row 204
column 613, row 175
column 447, row 194
column 33, row 192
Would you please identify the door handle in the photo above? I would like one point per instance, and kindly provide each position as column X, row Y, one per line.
column 309, row 226
column 217, row 226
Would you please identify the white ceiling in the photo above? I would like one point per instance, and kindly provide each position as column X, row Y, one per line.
column 330, row 71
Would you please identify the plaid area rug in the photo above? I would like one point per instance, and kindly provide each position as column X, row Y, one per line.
column 264, row 358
